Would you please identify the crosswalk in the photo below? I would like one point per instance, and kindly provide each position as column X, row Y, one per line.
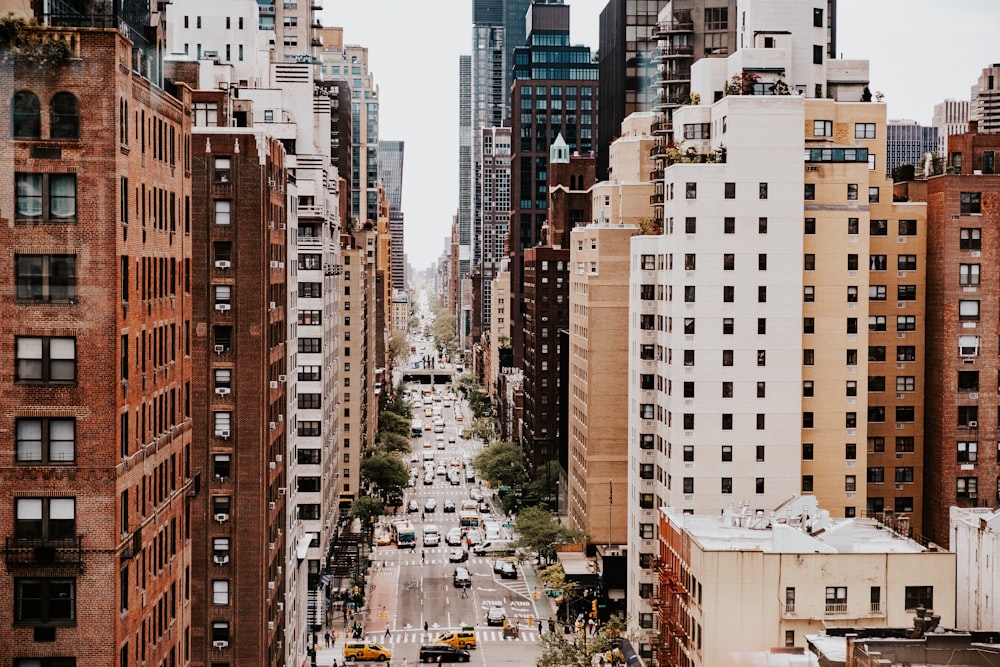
column 483, row 635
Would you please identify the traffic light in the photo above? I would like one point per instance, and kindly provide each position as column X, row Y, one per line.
column 593, row 608
column 356, row 590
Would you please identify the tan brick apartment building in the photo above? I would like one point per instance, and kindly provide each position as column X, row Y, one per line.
column 95, row 394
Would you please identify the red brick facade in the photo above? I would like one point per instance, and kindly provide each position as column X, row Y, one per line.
column 95, row 387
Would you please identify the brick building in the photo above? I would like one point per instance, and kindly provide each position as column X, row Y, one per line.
column 96, row 388
column 238, row 393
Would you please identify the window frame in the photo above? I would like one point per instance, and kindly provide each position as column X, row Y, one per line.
column 45, row 360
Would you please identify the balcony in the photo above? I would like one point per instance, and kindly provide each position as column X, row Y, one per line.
column 876, row 609
column 655, row 199
column 267, row 10
column 672, row 51
column 835, row 609
column 664, row 28
column 44, row 553
column 656, row 175
column 661, row 127
column 658, row 149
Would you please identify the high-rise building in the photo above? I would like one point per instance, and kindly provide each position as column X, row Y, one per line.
column 627, row 65
column 555, row 92
column 985, row 105
column 97, row 340
column 756, row 288
column 494, row 212
column 950, row 117
column 465, row 174
column 908, row 142
column 598, row 339
column 390, row 155
column 962, row 242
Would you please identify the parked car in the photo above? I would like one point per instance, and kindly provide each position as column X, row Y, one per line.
column 442, row 653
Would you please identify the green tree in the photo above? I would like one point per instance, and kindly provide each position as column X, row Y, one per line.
column 367, row 509
column 539, row 532
column 575, row 650
column 399, row 347
column 390, row 422
column 542, row 486
column 482, row 428
column 388, row 442
column 445, row 332
column 400, row 406
column 386, row 472
column 479, row 403
column 502, row 464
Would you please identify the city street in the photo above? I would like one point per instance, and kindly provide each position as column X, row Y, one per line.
column 413, row 589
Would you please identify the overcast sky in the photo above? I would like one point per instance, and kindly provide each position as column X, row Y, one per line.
column 921, row 52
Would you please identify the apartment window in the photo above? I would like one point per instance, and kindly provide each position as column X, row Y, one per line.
column 864, row 130
column 223, row 211
column 45, row 197
column 688, row 453
column 876, row 353
column 688, row 485
column 968, row 274
column 310, row 401
column 808, row 293
column 45, row 440
column 876, row 322
column 876, row 475
column 26, row 111
column 697, row 131
column 727, row 485
column 762, row 191
column 807, row 483
column 809, row 226
column 760, row 420
column 968, row 346
column 310, row 290
column 852, row 294
column 646, row 471
column 968, row 381
column 967, row 488
column 836, row 598
column 220, row 631
column 45, row 277
column 877, row 263
column 220, row 591
column 728, row 293
column 761, row 294
column 690, row 225
column 968, row 416
column 64, row 117
column 903, row 504
column 727, row 453
column 876, row 414
column 907, row 227
column 808, row 420
column 808, row 325
column 850, row 483
column 309, row 373
column 688, row 421
column 309, row 345
column 971, row 203
column 808, row 388
column 852, row 354
column 727, row 325
column 689, row 357
column 646, row 441
column 47, row 519
column 906, row 292
column 850, row 420
column 809, row 262
column 852, row 191
column 906, row 353
column 970, row 238
column 876, row 444
column 904, row 474
column 878, row 228
column 762, row 357
column 918, row 596
column 646, row 501
column 809, row 193
column 727, row 422
column 44, row 359
column 647, row 292
column 968, row 309
column 853, row 226
column 817, row 54
column 691, row 191
column 909, row 322
column 44, row 601
column 808, row 357
column 967, row 451
column 907, row 263
column 873, row 195
column 646, row 411
column 730, row 190
column 822, row 128
column 648, row 262
column 762, row 225
column 759, row 485
column 645, row 531
column 729, row 225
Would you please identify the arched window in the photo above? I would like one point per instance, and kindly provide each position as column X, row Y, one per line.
column 64, row 117
column 27, row 115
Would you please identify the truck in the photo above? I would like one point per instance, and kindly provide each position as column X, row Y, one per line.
column 417, row 428
column 404, row 535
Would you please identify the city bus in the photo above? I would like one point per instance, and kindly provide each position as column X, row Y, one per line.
column 404, row 535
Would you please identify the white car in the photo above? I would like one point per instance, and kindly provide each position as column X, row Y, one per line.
column 441, row 470
column 454, row 537
column 439, row 439
column 430, row 505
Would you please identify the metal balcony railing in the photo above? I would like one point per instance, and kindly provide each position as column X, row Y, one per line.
column 43, row 552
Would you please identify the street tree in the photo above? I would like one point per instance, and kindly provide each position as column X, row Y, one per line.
column 445, row 333
column 386, row 472
column 481, row 428
column 539, row 532
column 399, row 406
column 576, row 649
column 388, row 442
column 543, row 486
column 367, row 509
column 501, row 463
column 399, row 347
column 390, row 422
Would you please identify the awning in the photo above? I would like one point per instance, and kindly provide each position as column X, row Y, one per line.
column 302, row 548
column 629, row 653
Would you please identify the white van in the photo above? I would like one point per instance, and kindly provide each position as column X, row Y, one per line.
column 432, row 535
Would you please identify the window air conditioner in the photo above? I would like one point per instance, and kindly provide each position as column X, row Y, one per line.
column 282, row 490
column 221, row 559
column 222, row 264
column 277, row 457
column 270, row 626
column 282, row 378
column 270, row 545
column 219, row 349
column 273, row 384
column 273, row 425
column 222, row 306
column 220, row 644
column 223, row 434
column 271, row 505
column 222, row 518
column 270, row 585
column 271, row 465
column 222, row 391
column 973, row 424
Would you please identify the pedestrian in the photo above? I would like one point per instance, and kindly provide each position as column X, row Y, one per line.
column 423, row 556
column 388, row 633
column 425, row 626
column 327, row 637
column 539, row 626
column 334, row 663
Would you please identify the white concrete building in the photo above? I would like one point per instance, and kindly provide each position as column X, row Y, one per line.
column 975, row 539
column 751, row 581
column 950, row 117
column 716, row 348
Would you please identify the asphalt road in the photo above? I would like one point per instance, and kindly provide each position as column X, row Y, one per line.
column 411, row 588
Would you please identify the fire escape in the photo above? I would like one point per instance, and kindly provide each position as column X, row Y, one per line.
column 668, row 636
column 672, row 80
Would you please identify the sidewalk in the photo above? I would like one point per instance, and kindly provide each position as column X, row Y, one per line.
column 544, row 607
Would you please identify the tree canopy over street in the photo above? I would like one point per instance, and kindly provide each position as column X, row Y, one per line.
column 502, row 464
column 385, row 471
column 539, row 532
column 571, row 650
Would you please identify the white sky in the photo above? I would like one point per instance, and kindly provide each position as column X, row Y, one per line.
column 921, row 52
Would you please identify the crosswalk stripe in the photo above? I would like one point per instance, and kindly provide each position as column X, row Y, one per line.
column 420, row 637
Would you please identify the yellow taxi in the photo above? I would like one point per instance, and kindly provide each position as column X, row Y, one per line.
column 459, row 639
column 366, row 651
